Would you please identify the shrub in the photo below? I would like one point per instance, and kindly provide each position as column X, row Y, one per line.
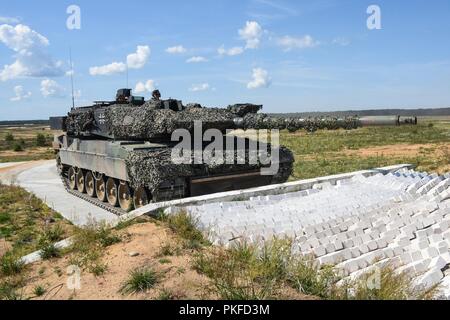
column 9, row 137
column 9, row 290
column 11, row 265
column 53, row 234
column 244, row 272
column 17, row 147
column 386, row 284
column 186, row 227
column 39, row 291
column 41, row 140
column 140, row 280
column 307, row 277
column 49, row 251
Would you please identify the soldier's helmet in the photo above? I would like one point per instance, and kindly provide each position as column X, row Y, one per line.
column 156, row 94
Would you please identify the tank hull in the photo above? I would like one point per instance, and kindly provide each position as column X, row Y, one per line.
column 147, row 165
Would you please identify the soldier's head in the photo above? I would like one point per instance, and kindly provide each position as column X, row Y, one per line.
column 156, row 94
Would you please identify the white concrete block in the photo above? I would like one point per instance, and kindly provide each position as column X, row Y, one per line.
column 431, row 278
column 355, row 252
column 431, row 253
column 319, row 251
column 437, row 263
column 372, row 245
column 363, row 248
column 406, row 258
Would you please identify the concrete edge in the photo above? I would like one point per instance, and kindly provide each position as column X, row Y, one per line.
column 36, row 256
column 246, row 194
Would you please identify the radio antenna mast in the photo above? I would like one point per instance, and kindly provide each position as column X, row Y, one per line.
column 71, row 76
column 127, row 76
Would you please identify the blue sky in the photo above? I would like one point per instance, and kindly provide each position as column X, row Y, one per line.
column 291, row 56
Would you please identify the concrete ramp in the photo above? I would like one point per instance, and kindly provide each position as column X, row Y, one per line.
column 44, row 181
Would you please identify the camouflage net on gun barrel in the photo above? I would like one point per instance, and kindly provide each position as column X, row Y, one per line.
column 147, row 122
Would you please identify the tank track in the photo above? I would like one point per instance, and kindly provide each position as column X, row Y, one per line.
column 283, row 174
column 85, row 197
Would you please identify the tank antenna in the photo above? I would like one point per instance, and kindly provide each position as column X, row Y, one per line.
column 127, row 76
column 71, row 76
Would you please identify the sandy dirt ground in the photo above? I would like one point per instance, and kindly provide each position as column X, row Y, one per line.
column 146, row 240
column 10, row 153
column 400, row 150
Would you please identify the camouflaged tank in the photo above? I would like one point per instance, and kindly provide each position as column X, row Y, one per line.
column 119, row 153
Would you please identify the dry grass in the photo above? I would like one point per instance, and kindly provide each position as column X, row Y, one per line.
column 247, row 272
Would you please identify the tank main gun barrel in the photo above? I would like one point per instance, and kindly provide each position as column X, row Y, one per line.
column 158, row 120
column 263, row 121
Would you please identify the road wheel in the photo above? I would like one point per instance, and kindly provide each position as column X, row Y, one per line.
column 72, row 178
column 140, row 197
column 125, row 197
column 111, row 192
column 100, row 188
column 80, row 181
column 90, row 184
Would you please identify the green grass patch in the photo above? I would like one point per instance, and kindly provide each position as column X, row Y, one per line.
column 39, row 291
column 11, row 265
column 184, row 226
column 27, row 223
column 140, row 280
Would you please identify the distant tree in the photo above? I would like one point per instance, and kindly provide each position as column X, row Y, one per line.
column 18, row 147
column 9, row 137
column 41, row 140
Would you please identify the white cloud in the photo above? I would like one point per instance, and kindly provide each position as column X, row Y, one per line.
column 230, row 52
column 251, row 33
column 196, row 59
column 289, row 43
column 135, row 60
column 9, row 20
column 176, row 49
column 139, row 59
column 141, row 87
column 31, row 58
column 341, row 41
column 260, row 79
column 109, row 69
column 199, row 87
column 50, row 88
column 20, row 94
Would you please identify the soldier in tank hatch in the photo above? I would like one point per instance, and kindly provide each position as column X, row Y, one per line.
column 156, row 95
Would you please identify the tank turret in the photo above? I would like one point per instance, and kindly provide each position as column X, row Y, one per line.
column 158, row 119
